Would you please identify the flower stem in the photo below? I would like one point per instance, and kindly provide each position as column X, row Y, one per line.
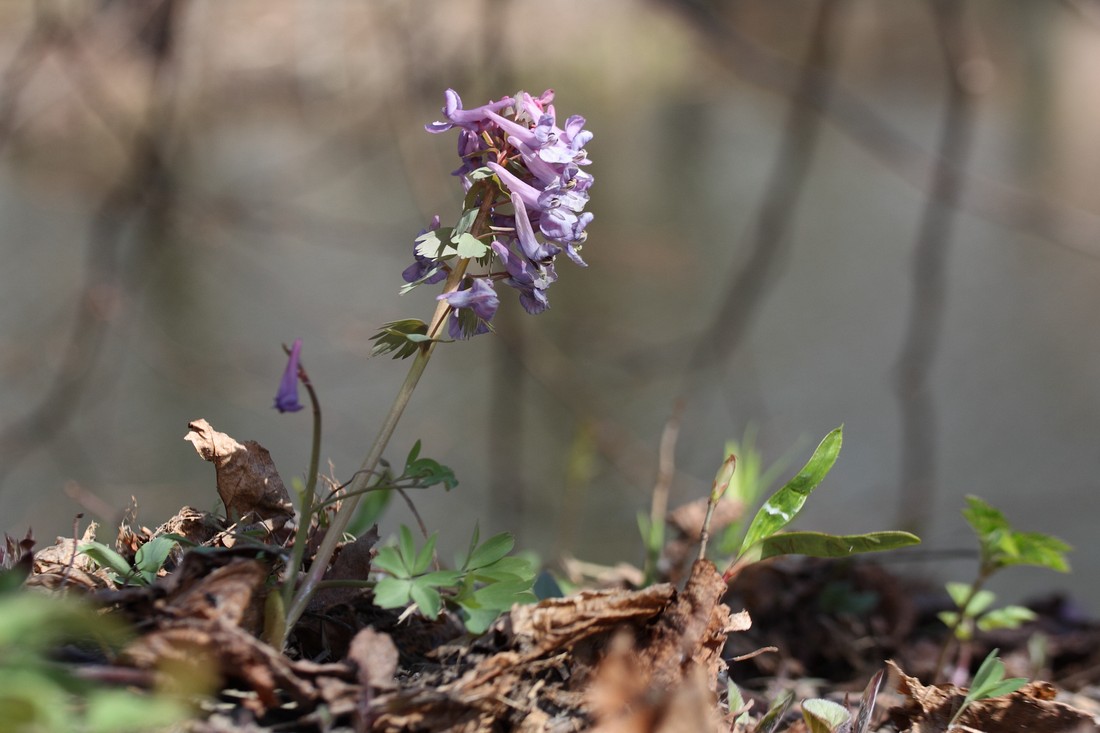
column 344, row 514
column 308, row 496
column 962, row 617
column 355, row 491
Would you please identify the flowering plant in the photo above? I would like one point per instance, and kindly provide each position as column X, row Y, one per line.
column 525, row 195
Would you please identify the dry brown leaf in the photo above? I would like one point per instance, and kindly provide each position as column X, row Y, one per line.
column 557, row 623
column 375, row 657
column 352, row 562
column 928, row 709
column 248, row 483
column 233, row 593
column 63, row 564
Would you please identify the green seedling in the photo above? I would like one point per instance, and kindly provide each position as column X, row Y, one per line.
column 771, row 719
column 989, row 682
column 765, row 538
column 974, row 613
column 826, row 716
column 1000, row 546
column 735, row 703
column 748, row 484
column 486, row 582
column 148, row 560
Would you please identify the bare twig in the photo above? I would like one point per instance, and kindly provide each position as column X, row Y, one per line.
column 1003, row 204
column 924, row 328
column 142, row 188
column 771, row 243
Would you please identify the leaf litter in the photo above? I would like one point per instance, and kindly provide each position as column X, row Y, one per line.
column 619, row 659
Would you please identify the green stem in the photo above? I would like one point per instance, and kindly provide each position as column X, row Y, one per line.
column 355, row 491
column 307, row 498
column 937, row 673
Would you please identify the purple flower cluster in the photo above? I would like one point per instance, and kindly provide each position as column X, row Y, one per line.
column 537, row 211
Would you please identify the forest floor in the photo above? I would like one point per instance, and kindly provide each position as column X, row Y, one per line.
column 672, row 656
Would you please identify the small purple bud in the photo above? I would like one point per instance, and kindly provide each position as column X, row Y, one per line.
column 286, row 399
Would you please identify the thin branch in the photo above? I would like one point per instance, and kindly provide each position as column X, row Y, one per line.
column 925, row 324
column 141, row 189
column 771, row 241
column 1002, row 204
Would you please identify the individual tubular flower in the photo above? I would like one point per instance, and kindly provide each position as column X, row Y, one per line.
column 529, row 175
column 286, row 399
column 472, row 306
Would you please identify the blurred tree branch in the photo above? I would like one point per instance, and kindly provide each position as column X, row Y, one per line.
column 140, row 190
column 917, row 487
column 770, row 240
column 997, row 202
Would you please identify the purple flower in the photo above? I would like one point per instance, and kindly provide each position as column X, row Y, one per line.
column 524, row 277
column 286, row 399
column 538, row 171
column 465, row 118
column 532, row 248
column 480, row 299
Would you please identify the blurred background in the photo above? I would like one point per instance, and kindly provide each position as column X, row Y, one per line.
column 885, row 215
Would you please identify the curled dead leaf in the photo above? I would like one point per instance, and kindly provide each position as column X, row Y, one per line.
column 247, row 481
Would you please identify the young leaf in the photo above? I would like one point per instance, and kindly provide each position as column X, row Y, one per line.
column 506, row 568
column 503, row 595
column 413, row 454
column 440, row 578
column 493, row 549
column 958, row 592
column 469, row 246
column 427, row 598
column 106, row 557
column 825, row 716
column 819, row 544
column 407, row 547
column 389, row 560
column 989, row 681
column 1008, row 617
column 478, row 620
column 392, row 592
column 775, row 713
column 151, row 556
column 785, row 504
column 982, row 600
column 867, row 703
column 424, row 558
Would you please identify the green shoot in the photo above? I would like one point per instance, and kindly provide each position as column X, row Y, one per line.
column 989, row 682
column 1000, row 546
column 825, row 716
column 774, row 716
column 486, row 582
column 148, row 560
column 764, row 538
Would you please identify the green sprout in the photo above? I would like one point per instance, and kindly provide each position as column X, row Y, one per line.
column 989, row 682
column 486, row 582
column 764, row 537
column 1000, row 546
column 148, row 560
